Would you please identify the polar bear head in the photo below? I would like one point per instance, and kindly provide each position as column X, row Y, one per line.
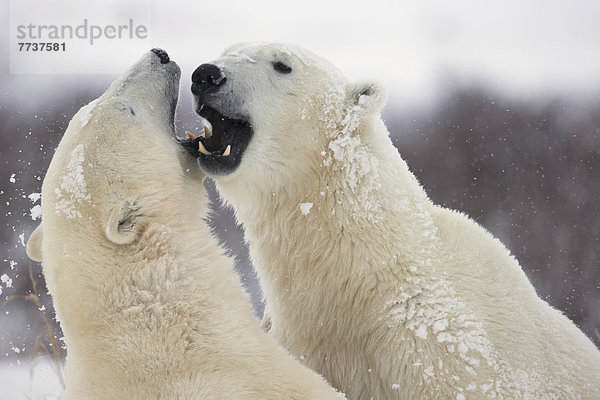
column 100, row 190
column 273, row 109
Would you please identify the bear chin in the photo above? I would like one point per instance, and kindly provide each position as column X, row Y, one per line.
column 216, row 158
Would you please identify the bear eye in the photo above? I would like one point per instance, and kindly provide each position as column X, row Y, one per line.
column 281, row 67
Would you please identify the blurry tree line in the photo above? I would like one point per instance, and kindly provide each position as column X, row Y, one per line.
column 527, row 171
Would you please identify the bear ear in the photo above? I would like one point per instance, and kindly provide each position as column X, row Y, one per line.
column 124, row 223
column 34, row 244
column 367, row 96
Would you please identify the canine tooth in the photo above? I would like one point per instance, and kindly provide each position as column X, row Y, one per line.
column 190, row 135
column 201, row 107
column 227, row 151
column 202, row 149
column 207, row 132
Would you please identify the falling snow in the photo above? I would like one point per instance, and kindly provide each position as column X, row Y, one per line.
column 36, row 212
column 6, row 280
column 35, row 197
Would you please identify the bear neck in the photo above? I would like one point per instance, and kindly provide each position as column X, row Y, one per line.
column 170, row 281
column 361, row 211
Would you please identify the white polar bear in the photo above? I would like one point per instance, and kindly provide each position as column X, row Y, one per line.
column 149, row 305
column 385, row 294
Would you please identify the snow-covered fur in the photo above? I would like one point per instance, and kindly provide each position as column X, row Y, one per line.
column 385, row 294
column 150, row 306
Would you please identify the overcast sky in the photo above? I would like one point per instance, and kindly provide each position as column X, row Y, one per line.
column 524, row 47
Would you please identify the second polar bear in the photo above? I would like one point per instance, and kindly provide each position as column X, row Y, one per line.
column 149, row 305
column 385, row 294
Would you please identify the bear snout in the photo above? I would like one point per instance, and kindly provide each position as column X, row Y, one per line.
column 164, row 57
column 207, row 77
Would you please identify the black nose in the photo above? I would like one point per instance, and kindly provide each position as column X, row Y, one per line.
column 164, row 57
column 206, row 77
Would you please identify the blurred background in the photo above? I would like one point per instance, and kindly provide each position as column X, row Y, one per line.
column 494, row 105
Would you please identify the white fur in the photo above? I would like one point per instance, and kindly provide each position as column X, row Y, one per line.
column 149, row 305
column 385, row 294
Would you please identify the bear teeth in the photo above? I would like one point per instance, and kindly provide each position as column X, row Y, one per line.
column 227, row 151
column 202, row 149
column 206, row 134
column 191, row 135
column 207, row 131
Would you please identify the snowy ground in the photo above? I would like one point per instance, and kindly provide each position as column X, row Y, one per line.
column 37, row 381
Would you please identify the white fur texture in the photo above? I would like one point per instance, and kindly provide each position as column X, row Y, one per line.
column 150, row 306
column 385, row 294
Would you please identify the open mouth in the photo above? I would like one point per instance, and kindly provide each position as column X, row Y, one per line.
column 219, row 148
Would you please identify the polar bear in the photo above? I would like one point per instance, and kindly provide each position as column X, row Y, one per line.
column 150, row 306
column 385, row 294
